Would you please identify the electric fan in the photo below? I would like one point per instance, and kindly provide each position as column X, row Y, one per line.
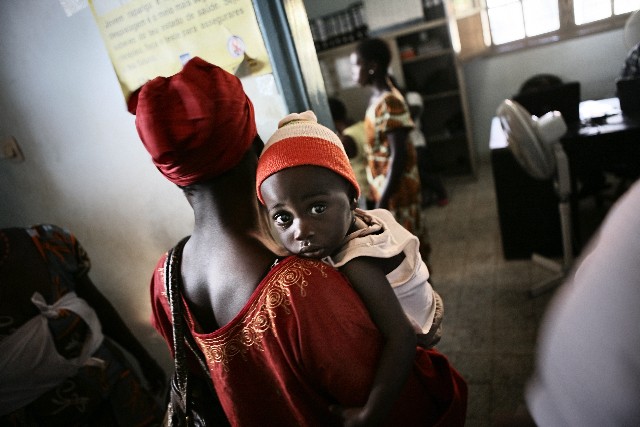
column 535, row 143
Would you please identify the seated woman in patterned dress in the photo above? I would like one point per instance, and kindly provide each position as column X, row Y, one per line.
column 59, row 364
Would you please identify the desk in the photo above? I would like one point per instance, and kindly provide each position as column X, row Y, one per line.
column 528, row 208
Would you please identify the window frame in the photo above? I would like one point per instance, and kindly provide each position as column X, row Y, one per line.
column 568, row 29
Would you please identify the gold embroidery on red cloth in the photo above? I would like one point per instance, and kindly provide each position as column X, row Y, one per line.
column 274, row 300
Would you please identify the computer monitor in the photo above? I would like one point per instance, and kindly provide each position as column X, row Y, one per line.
column 564, row 98
column 628, row 91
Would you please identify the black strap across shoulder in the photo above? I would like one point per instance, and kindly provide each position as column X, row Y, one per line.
column 198, row 402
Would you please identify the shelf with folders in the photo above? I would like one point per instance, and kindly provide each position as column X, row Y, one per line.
column 339, row 28
column 432, row 75
column 445, row 126
column 442, row 117
column 446, row 133
column 430, row 67
column 423, row 41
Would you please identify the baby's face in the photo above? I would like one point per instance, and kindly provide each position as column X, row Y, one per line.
column 310, row 209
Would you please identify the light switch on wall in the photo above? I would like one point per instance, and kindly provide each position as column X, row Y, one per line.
column 9, row 150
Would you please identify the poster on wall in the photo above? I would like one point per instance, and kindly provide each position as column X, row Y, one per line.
column 150, row 38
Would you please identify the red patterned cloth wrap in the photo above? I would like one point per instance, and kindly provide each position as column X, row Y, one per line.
column 303, row 342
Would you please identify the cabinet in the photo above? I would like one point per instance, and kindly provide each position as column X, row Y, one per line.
column 430, row 67
column 425, row 60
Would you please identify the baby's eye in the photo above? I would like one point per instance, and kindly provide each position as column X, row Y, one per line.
column 282, row 219
column 318, row 209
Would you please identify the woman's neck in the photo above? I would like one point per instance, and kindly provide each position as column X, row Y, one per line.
column 226, row 212
column 233, row 216
column 381, row 85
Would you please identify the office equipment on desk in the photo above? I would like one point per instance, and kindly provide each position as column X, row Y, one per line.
column 527, row 207
column 564, row 98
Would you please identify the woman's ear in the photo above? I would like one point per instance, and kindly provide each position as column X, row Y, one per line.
column 354, row 203
column 352, row 194
column 257, row 145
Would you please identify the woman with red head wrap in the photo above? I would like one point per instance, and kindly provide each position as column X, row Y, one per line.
column 285, row 339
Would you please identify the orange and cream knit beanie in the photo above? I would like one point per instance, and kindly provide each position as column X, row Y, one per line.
column 300, row 140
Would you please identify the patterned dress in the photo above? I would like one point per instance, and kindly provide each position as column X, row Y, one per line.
column 387, row 113
column 104, row 391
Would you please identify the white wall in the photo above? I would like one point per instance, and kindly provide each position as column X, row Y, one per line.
column 595, row 61
column 85, row 167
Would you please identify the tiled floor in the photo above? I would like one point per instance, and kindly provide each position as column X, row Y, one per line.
column 491, row 322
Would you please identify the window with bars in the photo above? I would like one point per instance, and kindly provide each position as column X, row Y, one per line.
column 519, row 20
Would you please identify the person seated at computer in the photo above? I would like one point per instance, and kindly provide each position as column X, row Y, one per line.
column 539, row 82
column 631, row 67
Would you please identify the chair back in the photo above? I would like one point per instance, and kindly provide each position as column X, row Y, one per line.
column 628, row 91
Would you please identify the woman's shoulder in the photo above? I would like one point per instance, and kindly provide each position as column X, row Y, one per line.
column 304, row 285
column 297, row 269
column 391, row 112
column 295, row 279
column 393, row 99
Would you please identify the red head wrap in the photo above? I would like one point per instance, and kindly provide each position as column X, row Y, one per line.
column 196, row 124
